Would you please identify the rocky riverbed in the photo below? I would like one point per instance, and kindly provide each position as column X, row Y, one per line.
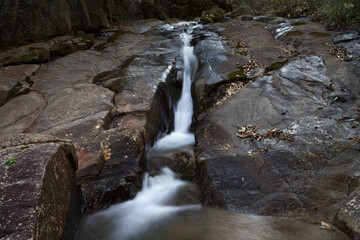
column 277, row 115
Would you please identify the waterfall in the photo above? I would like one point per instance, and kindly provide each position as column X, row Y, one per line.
column 180, row 138
column 130, row 219
column 134, row 217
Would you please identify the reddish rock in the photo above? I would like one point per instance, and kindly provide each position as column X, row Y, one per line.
column 18, row 115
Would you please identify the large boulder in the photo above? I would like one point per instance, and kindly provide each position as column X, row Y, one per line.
column 287, row 143
column 39, row 198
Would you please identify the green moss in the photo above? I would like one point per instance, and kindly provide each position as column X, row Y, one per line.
column 213, row 16
column 238, row 75
column 118, row 34
column 208, row 20
column 242, row 52
column 43, row 55
column 275, row 66
column 294, row 33
column 298, row 23
column 10, row 162
column 319, row 34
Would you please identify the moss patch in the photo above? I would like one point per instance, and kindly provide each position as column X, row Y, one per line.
column 275, row 66
column 319, row 34
column 208, row 20
column 212, row 16
column 238, row 75
column 118, row 34
column 298, row 23
column 294, row 33
column 242, row 52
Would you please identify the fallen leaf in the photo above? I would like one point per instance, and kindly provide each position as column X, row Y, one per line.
column 325, row 225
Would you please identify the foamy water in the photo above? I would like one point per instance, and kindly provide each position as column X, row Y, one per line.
column 180, row 139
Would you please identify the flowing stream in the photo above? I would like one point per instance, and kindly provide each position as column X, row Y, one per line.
column 180, row 138
column 156, row 212
column 134, row 218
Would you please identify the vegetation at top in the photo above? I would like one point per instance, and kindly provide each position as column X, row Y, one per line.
column 337, row 13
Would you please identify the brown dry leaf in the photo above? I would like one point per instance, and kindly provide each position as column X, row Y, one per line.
column 106, row 151
column 325, row 225
column 250, row 131
column 339, row 52
column 231, row 89
column 250, row 66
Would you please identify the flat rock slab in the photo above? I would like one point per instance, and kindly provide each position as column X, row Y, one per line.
column 260, row 44
column 81, row 67
column 39, row 198
column 18, row 115
column 77, row 113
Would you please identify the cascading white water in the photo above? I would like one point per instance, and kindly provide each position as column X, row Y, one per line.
column 180, row 138
column 184, row 108
column 130, row 219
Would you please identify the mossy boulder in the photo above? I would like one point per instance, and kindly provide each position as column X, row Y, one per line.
column 45, row 51
column 215, row 15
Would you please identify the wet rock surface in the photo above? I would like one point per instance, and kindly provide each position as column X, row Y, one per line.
column 311, row 99
column 39, row 198
column 277, row 113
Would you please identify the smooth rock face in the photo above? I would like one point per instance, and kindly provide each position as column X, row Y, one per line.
column 315, row 98
column 79, row 111
column 39, row 198
column 19, row 114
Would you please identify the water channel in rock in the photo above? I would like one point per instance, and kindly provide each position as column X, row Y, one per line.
column 155, row 213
